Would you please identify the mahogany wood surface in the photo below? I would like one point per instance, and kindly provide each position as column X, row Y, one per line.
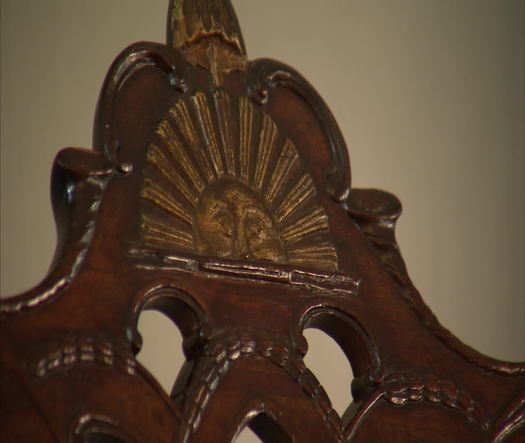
column 182, row 131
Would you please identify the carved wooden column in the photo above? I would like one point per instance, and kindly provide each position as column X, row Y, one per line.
column 218, row 192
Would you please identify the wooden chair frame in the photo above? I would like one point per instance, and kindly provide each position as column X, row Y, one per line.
column 218, row 192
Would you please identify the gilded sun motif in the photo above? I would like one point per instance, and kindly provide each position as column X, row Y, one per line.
column 222, row 181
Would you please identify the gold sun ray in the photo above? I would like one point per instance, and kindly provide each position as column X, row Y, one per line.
column 246, row 123
column 223, row 151
column 314, row 221
column 157, row 158
column 324, row 252
column 267, row 141
column 321, row 248
column 166, row 234
column 153, row 192
column 287, row 165
column 181, row 117
column 174, row 146
column 224, row 112
column 302, row 191
column 202, row 110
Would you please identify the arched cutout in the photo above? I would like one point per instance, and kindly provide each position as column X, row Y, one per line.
column 247, row 436
column 330, row 365
column 187, row 315
column 95, row 428
column 262, row 428
column 353, row 340
column 179, row 307
column 161, row 351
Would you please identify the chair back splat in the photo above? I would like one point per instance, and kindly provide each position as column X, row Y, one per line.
column 218, row 193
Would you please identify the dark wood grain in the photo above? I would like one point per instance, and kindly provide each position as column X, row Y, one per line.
column 69, row 371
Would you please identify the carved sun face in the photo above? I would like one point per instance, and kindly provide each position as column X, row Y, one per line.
column 221, row 180
column 229, row 221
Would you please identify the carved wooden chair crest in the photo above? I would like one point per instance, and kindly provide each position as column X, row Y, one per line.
column 218, row 192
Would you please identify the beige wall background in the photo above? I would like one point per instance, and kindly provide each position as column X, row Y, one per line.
column 428, row 93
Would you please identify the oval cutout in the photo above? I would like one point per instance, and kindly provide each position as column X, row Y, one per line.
column 247, row 436
column 262, row 428
column 161, row 351
column 328, row 362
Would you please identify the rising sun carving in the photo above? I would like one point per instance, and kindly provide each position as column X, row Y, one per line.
column 221, row 180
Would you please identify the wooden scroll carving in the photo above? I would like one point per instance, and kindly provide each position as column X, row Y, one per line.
column 218, row 192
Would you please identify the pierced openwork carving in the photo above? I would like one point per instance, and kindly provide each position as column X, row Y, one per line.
column 226, row 349
column 222, row 181
column 215, row 194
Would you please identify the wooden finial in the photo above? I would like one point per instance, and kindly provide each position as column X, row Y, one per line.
column 207, row 34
